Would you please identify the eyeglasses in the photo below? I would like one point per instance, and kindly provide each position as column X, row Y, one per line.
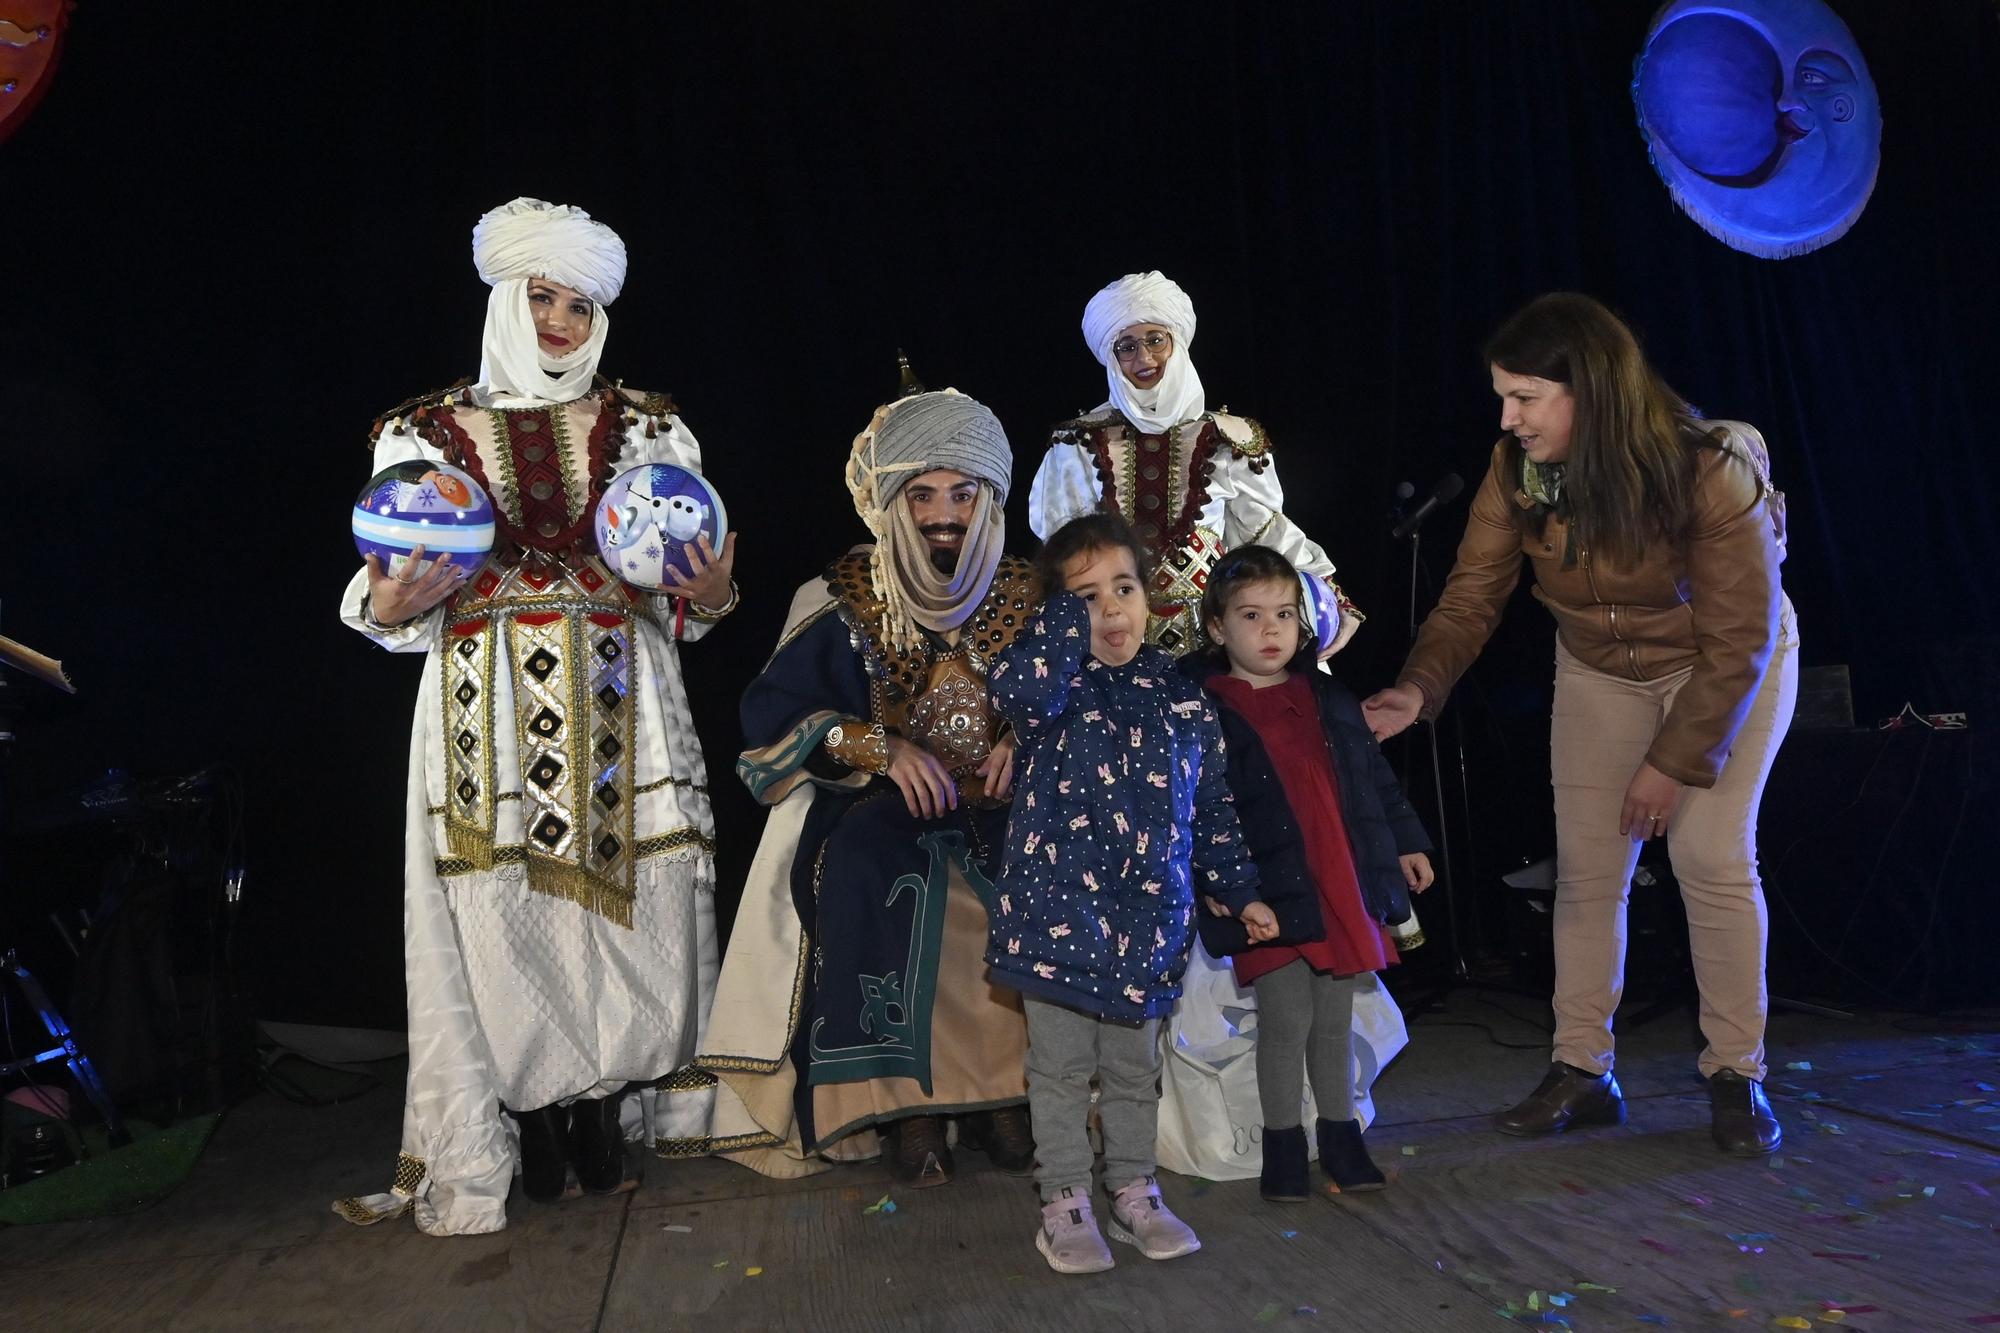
column 1127, row 349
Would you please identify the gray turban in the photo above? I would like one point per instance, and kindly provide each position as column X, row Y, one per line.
column 940, row 430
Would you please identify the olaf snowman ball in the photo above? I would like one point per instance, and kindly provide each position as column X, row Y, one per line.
column 648, row 518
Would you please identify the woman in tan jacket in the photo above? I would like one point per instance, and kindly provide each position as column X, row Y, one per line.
column 1655, row 539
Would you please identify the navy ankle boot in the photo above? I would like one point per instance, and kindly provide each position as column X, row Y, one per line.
column 1287, row 1178
column 1346, row 1159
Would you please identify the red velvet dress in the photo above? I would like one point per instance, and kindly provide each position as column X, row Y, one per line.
column 1286, row 718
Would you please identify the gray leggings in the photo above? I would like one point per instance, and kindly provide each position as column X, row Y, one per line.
column 1066, row 1047
column 1305, row 1026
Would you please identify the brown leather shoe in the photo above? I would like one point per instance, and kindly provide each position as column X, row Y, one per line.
column 1568, row 1098
column 1740, row 1118
column 917, row 1152
column 1005, row 1136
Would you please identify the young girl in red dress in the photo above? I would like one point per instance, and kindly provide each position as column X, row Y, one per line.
column 1338, row 847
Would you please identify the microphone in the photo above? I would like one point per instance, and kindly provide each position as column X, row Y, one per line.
column 1441, row 494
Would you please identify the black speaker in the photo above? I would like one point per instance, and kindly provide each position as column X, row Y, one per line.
column 1879, row 879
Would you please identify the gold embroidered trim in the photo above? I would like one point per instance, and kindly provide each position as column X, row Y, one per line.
column 575, row 732
column 686, row 1079
column 744, row 1142
column 503, row 796
column 450, row 866
column 361, row 1215
column 744, row 1064
column 676, row 1149
column 466, row 694
column 669, row 781
column 576, row 491
column 680, row 837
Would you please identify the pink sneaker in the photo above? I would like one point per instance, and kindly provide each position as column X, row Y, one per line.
column 1069, row 1238
column 1139, row 1218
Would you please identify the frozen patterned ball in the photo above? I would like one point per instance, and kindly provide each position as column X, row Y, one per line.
column 650, row 515
column 421, row 503
column 1322, row 608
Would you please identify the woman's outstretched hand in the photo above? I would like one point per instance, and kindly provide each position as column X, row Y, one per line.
column 393, row 599
column 1392, row 710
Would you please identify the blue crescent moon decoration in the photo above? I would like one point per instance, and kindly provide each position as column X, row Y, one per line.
column 1762, row 119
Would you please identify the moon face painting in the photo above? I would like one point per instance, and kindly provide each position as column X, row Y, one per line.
column 1762, row 120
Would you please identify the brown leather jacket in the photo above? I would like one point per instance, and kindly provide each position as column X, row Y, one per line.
column 1708, row 605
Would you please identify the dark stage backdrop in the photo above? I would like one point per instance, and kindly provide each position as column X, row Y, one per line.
column 232, row 239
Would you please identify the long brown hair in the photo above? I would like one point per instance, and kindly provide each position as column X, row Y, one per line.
column 1629, row 481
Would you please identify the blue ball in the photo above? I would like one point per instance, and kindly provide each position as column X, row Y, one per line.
column 1322, row 609
column 420, row 503
column 648, row 518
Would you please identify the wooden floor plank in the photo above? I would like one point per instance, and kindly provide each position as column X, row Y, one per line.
column 1475, row 1224
column 1689, row 1235
column 963, row 1257
column 1957, row 1096
column 547, row 1270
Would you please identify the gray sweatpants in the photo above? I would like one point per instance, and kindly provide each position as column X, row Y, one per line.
column 1305, row 1028
column 1066, row 1047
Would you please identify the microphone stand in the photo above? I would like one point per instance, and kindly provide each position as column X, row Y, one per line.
column 1448, row 875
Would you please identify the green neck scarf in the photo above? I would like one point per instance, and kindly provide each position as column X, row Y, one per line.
column 1542, row 482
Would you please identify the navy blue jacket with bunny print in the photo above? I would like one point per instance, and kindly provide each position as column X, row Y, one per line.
column 1121, row 811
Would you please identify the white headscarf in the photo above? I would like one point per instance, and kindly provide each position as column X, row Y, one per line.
column 531, row 239
column 1147, row 298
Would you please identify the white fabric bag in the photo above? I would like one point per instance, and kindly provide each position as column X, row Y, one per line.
column 1211, row 1123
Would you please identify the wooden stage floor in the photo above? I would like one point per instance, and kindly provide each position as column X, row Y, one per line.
column 1879, row 1213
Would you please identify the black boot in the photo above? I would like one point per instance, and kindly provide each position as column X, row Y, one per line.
column 1286, row 1178
column 918, row 1153
column 1345, row 1157
column 1005, row 1136
column 1739, row 1116
column 1567, row 1099
column 597, row 1145
column 544, row 1152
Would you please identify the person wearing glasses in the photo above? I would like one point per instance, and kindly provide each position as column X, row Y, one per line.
column 1191, row 482
column 1655, row 538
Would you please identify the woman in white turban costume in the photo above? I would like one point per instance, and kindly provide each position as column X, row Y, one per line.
column 1193, row 483
column 558, row 860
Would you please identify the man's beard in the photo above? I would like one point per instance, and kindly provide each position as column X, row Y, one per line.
column 944, row 559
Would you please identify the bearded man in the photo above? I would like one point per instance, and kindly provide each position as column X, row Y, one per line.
column 854, row 1013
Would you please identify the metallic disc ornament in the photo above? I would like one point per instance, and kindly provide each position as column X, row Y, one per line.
column 1322, row 609
column 420, row 503
column 648, row 518
column 1762, row 119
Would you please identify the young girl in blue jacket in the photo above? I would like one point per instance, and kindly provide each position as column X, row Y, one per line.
column 1338, row 848
column 1121, row 815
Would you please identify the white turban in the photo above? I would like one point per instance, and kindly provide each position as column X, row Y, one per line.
column 1147, row 298
column 531, row 239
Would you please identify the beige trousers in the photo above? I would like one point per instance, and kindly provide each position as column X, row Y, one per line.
column 1600, row 733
